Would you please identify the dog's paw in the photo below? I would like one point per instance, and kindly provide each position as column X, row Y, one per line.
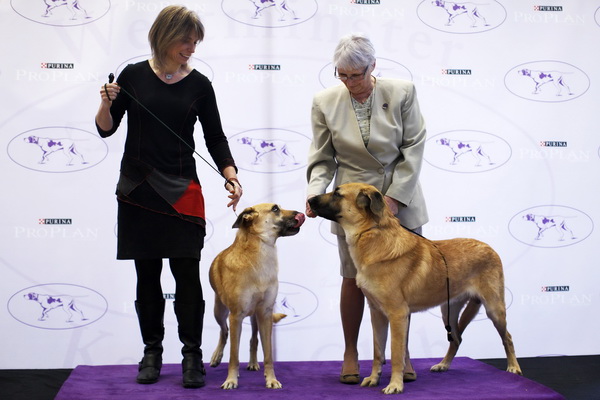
column 370, row 381
column 229, row 384
column 514, row 370
column 393, row 388
column 273, row 384
column 441, row 367
column 253, row 366
column 215, row 360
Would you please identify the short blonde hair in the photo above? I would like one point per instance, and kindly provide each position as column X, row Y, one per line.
column 354, row 51
column 172, row 24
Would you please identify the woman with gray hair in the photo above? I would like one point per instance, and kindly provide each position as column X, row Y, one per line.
column 368, row 129
column 159, row 196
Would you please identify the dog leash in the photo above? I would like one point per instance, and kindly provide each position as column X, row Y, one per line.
column 448, row 327
column 111, row 78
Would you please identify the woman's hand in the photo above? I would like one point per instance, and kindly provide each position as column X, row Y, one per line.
column 235, row 189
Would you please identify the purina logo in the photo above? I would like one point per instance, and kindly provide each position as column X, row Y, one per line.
column 550, row 226
column 270, row 13
column 461, row 219
column 461, row 17
column 57, row 149
column 264, row 67
column 549, row 143
column 467, row 151
column 55, row 221
column 57, row 306
column 555, row 288
column 61, row 12
column 45, row 65
column 547, row 8
column 366, row 2
column 270, row 150
column 456, row 72
column 547, row 81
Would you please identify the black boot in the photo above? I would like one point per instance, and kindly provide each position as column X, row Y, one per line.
column 190, row 318
column 150, row 317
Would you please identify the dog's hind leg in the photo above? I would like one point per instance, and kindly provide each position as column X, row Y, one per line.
column 496, row 311
column 380, row 323
column 457, row 328
column 221, row 312
column 253, row 362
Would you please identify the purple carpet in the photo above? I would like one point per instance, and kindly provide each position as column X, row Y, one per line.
column 467, row 379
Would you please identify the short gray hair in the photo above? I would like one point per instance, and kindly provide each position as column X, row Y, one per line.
column 354, row 51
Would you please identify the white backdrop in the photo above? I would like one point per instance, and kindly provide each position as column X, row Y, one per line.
column 510, row 95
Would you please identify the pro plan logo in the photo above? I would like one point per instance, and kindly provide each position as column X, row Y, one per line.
column 383, row 68
column 551, row 226
column 547, row 81
column 270, row 150
column 57, row 149
column 460, row 16
column 552, row 143
column 57, row 306
column 366, row 2
column 61, row 12
column 270, row 13
column 467, row 151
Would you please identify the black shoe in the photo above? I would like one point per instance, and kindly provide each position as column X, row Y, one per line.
column 149, row 369
column 193, row 373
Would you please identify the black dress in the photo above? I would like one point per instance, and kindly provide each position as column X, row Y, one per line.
column 160, row 201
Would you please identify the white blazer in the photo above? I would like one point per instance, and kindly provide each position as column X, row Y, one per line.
column 393, row 157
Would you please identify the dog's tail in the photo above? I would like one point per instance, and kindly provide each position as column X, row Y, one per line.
column 278, row 317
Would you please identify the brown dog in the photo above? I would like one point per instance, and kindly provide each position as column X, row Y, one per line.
column 244, row 278
column 400, row 272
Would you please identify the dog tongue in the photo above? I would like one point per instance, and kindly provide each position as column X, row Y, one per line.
column 299, row 220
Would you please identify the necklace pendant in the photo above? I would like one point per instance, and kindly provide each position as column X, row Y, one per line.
column 168, row 76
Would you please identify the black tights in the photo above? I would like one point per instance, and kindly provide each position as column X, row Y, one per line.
column 186, row 271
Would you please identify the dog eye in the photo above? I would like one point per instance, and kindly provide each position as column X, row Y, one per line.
column 275, row 208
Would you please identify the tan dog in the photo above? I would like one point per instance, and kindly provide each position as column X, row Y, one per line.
column 244, row 278
column 401, row 272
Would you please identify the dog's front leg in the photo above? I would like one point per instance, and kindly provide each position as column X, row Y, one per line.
column 398, row 326
column 379, row 322
column 265, row 328
column 235, row 330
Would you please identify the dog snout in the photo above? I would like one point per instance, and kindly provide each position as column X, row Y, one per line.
column 300, row 218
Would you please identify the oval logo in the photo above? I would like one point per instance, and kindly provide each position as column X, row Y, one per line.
column 461, row 17
column 550, row 226
column 61, row 12
column 597, row 16
column 196, row 63
column 296, row 301
column 547, row 81
column 270, row 13
column 384, row 68
column 57, row 149
column 57, row 306
column 481, row 315
column 467, row 151
column 325, row 232
column 270, row 150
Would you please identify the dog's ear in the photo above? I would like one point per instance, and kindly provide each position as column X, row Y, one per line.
column 371, row 200
column 245, row 217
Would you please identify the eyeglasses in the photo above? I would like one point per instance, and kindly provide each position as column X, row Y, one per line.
column 344, row 77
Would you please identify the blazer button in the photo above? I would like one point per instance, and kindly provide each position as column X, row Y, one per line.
column 381, row 171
